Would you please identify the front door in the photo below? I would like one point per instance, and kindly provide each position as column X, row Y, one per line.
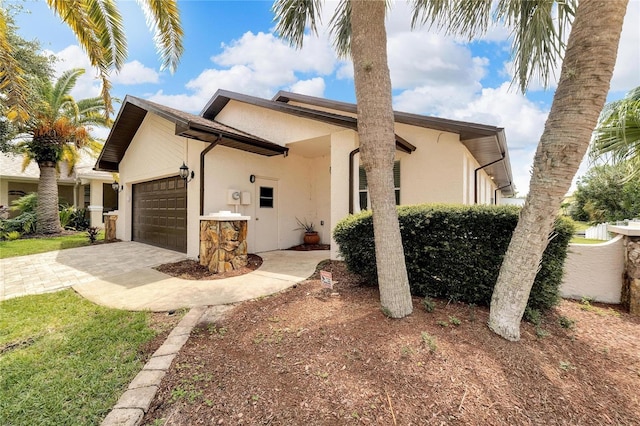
column 266, row 217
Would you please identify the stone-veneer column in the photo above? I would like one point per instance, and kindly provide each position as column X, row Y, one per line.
column 110, row 220
column 631, row 281
column 223, row 244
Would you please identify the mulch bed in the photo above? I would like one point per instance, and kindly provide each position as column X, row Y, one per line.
column 309, row 247
column 317, row 356
column 192, row 270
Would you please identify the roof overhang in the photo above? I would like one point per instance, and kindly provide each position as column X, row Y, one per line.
column 222, row 97
column 133, row 112
column 486, row 143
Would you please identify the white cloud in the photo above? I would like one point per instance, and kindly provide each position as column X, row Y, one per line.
column 184, row 102
column 626, row 74
column 522, row 120
column 417, row 58
column 312, row 87
column 88, row 84
column 135, row 72
column 259, row 64
column 269, row 54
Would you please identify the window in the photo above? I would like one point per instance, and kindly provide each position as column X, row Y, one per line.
column 364, row 188
column 266, row 197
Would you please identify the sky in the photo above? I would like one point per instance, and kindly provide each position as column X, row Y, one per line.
column 232, row 45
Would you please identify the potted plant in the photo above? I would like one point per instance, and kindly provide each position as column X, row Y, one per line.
column 311, row 236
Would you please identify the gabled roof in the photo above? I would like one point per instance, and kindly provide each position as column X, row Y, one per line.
column 486, row 143
column 133, row 112
column 222, row 97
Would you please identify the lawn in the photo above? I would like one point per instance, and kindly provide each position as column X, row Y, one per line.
column 25, row 246
column 64, row 360
column 582, row 240
column 581, row 226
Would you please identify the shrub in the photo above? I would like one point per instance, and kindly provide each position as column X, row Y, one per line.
column 92, row 234
column 26, row 204
column 13, row 235
column 79, row 220
column 74, row 219
column 25, row 224
column 66, row 215
column 454, row 252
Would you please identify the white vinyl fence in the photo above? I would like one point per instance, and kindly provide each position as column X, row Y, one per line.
column 598, row 232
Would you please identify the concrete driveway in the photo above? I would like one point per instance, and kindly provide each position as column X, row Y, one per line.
column 120, row 275
column 55, row 270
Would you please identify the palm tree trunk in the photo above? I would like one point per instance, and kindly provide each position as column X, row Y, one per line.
column 377, row 149
column 47, row 216
column 581, row 94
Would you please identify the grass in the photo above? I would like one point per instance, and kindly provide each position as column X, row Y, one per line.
column 582, row 240
column 26, row 246
column 581, row 226
column 64, row 360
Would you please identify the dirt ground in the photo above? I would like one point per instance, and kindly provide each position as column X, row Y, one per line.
column 316, row 356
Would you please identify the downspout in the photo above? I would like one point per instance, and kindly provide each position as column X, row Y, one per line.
column 495, row 193
column 475, row 177
column 351, row 155
column 202, row 154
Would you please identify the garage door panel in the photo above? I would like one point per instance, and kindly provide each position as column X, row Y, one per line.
column 160, row 213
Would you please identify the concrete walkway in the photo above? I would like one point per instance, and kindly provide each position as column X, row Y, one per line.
column 148, row 289
column 119, row 275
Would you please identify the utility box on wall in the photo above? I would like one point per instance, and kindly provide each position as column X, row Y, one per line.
column 233, row 197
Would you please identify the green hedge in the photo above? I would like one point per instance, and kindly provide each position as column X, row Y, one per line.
column 455, row 252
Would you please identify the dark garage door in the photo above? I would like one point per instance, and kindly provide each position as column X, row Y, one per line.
column 160, row 213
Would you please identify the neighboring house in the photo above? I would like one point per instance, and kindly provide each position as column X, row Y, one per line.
column 291, row 157
column 83, row 188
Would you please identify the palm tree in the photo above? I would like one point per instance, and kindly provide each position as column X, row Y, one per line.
column 359, row 29
column 98, row 26
column 537, row 28
column 617, row 135
column 582, row 89
column 58, row 128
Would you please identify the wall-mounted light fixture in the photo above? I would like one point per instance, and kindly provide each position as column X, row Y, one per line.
column 184, row 173
column 116, row 186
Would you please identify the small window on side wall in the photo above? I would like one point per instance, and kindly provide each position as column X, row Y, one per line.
column 363, row 190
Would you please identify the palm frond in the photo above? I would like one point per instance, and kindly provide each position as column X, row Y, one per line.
column 163, row 18
column 27, row 158
column 70, row 155
column 75, row 14
column 537, row 28
column 463, row 17
column 340, row 27
column 13, row 85
column 616, row 137
column 292, row 17
column 110, row 31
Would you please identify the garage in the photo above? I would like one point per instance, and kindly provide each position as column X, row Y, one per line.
column 160, row 213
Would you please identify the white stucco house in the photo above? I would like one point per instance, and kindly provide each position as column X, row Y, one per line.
column 82, row 188
column 293, row 156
